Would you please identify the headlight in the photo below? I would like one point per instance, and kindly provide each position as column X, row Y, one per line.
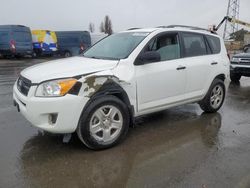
column 55, row 88
column 235, row 59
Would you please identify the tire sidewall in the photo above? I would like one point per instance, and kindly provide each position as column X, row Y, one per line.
column 235, row 77
column 83, row 129
column 67, row 54
column 206, row 103
column 215, row 83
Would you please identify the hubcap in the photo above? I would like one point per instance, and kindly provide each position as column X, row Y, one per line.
column 106, row 123
column 216, row 96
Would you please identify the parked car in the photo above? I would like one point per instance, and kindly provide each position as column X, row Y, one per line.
column 44, row 42
column 15, row 40
column 125, row 75
column 72, row 43
column 240, row 65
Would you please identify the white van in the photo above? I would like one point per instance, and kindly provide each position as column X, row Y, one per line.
column 125, row 75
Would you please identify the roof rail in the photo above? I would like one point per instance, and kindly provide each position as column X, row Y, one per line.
column 185, row 26
column 133, row 28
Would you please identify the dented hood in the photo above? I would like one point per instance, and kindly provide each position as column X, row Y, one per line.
column 68, row 67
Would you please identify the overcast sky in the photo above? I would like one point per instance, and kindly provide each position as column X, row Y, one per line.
column 76, row 14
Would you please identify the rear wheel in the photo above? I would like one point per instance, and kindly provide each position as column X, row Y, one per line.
column 214, row 97
column 235, row 77
column 34, row 55
column 104, row 123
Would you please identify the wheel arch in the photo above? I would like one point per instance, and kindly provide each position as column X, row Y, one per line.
column 221, row 77
column 111, row 87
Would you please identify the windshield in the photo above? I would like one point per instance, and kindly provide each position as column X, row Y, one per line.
column 248, row 50
column 116, row 46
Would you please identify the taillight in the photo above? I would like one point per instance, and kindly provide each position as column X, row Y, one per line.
column 13, row 45
column 82, row 47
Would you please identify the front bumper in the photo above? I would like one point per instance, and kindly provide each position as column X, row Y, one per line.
column 243, row 70
column 39, row 110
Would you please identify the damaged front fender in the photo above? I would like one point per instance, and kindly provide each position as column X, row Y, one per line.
column 93, row 83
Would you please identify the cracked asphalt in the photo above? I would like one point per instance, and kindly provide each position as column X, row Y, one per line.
column 179, row 147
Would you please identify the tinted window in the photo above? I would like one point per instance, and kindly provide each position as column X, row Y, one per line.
column 4, row 36
column 69, row 40
column 116, row 46
column 194, row 44
column 166, row 45
column 22, row 36
column 214, row 43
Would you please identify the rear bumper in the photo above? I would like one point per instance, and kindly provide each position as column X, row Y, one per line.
column 54, row 114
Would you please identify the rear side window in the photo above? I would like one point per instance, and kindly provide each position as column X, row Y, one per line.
column 22, row 37
column 194, row 44
column 214, row 44
column 69, row 40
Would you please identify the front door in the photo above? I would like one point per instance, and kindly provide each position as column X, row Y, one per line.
column 164, row 82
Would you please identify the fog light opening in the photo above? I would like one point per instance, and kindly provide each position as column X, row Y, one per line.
column 52, row 118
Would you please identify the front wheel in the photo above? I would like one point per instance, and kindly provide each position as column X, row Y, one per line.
column 104, row 123
column 235, row 77
column 214, row 98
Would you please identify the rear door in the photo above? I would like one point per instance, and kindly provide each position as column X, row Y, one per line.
column 197, row 62
column 4, row 40
column 23, row 41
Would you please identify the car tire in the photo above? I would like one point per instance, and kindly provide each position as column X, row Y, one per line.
column 214, row 98
column 34, row 55
column 104, row 123
column 67, row 54
column 235, row 77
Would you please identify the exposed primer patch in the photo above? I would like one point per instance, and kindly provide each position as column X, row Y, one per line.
column 93, row 83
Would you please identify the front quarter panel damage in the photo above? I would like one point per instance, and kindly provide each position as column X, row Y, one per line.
column 93, row 83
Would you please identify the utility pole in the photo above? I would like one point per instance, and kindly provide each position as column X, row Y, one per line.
column 233, row 11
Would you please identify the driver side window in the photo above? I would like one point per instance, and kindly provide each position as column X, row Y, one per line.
column 166, row 45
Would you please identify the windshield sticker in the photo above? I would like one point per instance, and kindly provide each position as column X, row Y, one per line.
column 140, row 34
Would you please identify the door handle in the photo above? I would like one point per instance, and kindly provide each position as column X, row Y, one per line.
column 214, row 63
column 180, row 68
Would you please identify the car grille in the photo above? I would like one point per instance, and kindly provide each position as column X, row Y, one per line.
column 23, row 85
column 244, row 61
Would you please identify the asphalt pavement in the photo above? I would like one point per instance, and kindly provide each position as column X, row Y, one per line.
column 179, row 147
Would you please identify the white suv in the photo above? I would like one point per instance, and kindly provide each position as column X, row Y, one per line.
column 126, row 75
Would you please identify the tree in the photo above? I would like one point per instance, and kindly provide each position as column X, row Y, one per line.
column 106, row 26
column 102, row 28
column 91, row 27
column 238, row 35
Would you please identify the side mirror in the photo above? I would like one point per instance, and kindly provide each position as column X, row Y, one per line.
column 148, row 57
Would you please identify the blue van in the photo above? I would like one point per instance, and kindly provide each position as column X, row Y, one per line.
column 71, row 43
column 15, row 40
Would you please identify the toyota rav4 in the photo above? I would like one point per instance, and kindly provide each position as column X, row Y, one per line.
column 128, row 74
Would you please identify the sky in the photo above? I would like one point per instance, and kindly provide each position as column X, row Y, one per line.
column 124, row 14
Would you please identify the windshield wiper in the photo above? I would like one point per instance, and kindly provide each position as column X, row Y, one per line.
column 94, row 57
